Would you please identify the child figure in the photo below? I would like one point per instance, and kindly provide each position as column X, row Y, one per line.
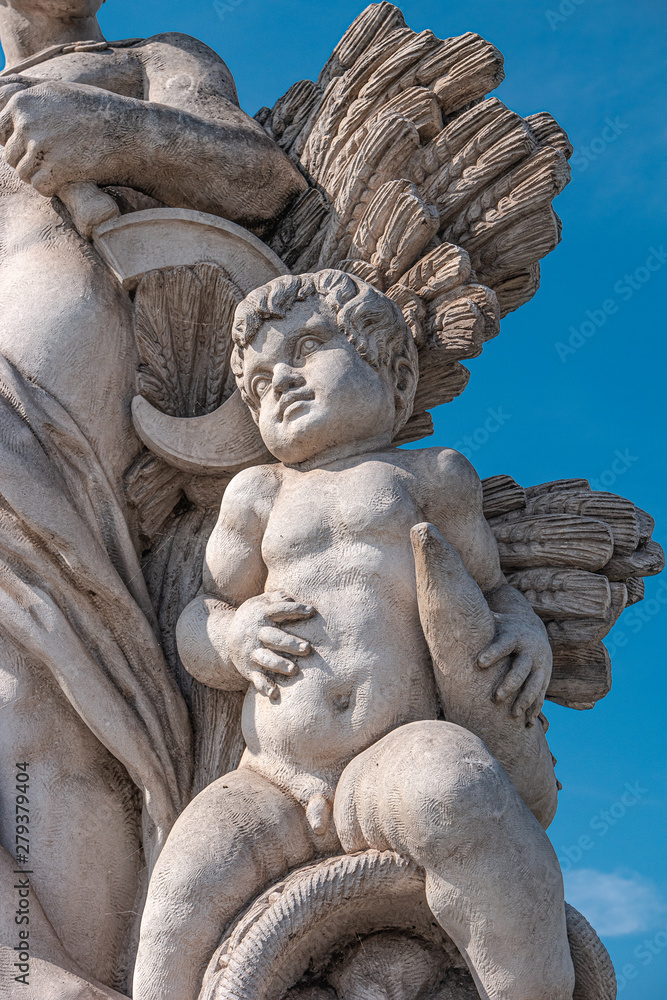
column 312, row 604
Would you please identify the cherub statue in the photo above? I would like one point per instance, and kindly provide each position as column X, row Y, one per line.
column 385, row 708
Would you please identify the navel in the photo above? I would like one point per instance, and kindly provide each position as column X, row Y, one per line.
column 341, row 701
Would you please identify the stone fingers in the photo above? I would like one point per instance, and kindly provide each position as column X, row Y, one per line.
column 15, row 149
column 530, row 697
column 283, row 642
column 6, row 126
column 263, row 684
column 497, row 650
column 521, row 667
column 268, row 660
column 288, row 611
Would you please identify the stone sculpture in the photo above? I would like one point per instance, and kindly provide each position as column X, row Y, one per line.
column 141, row 209
column 321, row 541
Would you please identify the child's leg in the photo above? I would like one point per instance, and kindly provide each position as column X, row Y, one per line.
column 431, row 791
column 237, row 836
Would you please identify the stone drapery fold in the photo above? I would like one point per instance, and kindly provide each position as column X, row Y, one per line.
column 72, row 597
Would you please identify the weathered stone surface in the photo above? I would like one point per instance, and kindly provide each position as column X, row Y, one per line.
column 279, row 685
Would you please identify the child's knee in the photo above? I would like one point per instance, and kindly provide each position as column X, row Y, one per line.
column 233, row 837
column 423, row 782
column 189, row 867
column 448, row 790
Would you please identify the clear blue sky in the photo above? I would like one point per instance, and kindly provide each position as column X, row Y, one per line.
column 595, row 65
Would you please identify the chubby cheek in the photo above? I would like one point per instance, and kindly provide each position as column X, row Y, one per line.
column 269, row 428
column 350, row 379
column 275, row 432
column 327, row 372
column 362, row 398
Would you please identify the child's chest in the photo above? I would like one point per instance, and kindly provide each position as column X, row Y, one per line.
column 368, row 507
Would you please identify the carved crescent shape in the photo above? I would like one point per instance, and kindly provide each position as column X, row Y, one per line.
column 145, row 241
column 222, row 442
column 227, row 440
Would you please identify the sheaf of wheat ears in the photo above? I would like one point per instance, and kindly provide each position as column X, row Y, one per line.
column 184, row 301
column 227, row 299
column 153, row 336
column 449, row 172
column 371, row 112
column 207, row 336
column 514, row 189
column 202, row 334
column 153, row 389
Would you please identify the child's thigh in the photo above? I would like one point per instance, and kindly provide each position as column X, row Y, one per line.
column 423, row 786
column 234, row 837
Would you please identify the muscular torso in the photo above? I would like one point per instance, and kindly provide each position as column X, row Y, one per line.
column 64, row 321
column 66, row 324
column 340, row 540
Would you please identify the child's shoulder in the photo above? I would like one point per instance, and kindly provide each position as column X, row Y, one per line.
column 444, row 464
column 253, row 487
column 446, row 482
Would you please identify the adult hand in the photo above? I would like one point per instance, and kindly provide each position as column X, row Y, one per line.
column 57, row 133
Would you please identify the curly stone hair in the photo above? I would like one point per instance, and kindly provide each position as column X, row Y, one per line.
column 372, row 323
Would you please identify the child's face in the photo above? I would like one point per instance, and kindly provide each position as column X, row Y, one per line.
column 312, row 390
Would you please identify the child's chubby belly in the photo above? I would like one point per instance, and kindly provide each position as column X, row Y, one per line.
column 369, row 671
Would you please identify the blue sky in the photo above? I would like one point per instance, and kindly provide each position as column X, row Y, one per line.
column 595, row 65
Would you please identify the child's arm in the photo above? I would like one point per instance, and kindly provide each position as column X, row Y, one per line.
column 455, row 507
column 228, row 636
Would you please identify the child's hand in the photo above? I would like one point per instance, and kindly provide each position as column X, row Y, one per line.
column 525, row 683
column 259, row 647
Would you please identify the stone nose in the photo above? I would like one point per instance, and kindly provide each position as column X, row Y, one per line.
column 286, row 378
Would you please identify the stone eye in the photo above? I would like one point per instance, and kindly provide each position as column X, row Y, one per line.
column 260, row 385
column 308, row 345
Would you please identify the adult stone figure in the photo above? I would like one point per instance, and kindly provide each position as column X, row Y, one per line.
column 86, row 697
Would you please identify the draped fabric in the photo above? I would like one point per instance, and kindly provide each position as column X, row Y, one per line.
column 72, row 597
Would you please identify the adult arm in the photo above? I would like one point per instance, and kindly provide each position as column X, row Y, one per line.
column 187, row 143
column 455, row 507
